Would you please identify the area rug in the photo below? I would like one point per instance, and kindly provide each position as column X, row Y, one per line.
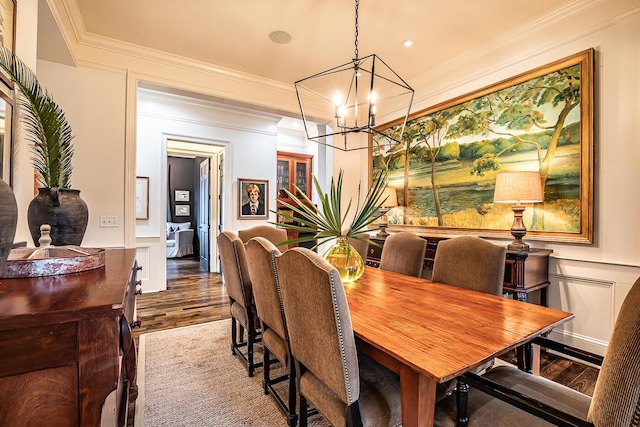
column 188, row 377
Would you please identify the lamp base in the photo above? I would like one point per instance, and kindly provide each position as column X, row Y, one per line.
column 518, row 245
column 383, row 231
column 518, row 230
column 384, row 223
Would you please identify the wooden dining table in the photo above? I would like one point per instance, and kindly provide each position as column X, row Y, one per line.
column 429, row 332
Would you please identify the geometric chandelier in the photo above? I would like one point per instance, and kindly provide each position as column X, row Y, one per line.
column 355, row 94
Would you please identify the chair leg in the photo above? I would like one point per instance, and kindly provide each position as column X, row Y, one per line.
column 303, row 411
column 524, row 356
column 354, row 419
column 293, row 416
column 233, row 336
column 251, row 339
column 266, row 366
column 241, row 334
column 462, row 401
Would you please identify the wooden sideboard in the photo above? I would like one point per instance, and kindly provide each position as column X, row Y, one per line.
column 67, row 356
column 524, row 272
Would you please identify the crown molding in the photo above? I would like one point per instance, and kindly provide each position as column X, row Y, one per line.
column 90, row 50
column 218, row 115
column 76, row 29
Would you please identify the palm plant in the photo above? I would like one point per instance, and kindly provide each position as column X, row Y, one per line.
column 45, row 122
column 328, row 221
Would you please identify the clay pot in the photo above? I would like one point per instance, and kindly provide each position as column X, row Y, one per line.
column 63, row 210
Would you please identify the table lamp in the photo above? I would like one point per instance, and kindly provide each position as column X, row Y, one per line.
column 391, row 201
column 518, row 188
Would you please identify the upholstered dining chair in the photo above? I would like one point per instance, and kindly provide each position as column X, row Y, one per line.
column 470, row 262
column 346, row 389
column 361, row 246
column 237, row 282
column 523, row 399
column 403, row 252
column 273, row 234
column 261, row 254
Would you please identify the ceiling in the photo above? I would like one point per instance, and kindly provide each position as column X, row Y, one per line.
column 234, row 34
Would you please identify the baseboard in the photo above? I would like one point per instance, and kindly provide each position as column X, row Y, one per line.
column 579, row 341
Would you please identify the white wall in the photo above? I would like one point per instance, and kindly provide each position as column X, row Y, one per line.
column 94, row 103
column 249, row 141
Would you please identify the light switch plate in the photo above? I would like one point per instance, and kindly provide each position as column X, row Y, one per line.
column 108, row 221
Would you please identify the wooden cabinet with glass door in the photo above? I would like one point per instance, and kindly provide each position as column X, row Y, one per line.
column 293, row 170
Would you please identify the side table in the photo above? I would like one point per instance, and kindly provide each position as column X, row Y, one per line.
column 524, row 272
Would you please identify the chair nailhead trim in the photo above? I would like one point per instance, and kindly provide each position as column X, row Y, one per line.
column 339, row 325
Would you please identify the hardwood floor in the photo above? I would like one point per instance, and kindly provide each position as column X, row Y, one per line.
column 194, row 296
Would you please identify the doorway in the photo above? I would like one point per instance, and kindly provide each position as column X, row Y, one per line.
column 207, row 181
column 204, row 209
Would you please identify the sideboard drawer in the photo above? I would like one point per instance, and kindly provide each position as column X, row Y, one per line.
column 40, row 347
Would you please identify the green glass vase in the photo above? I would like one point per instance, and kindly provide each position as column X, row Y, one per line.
column 346, row 260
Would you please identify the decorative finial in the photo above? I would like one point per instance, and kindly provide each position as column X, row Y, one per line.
column 45, row 238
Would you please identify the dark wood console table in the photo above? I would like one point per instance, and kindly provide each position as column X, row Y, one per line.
column 524, row 272
column 67, row 356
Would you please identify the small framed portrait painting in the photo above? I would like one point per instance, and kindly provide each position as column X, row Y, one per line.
column 253, row 198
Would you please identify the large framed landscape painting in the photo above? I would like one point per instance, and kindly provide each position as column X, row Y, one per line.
column 445, row 170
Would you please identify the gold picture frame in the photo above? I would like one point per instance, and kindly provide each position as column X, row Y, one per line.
column 7, row 125
column 540, row 120
column 244, row 208
column 7, row 31
column 142, row 197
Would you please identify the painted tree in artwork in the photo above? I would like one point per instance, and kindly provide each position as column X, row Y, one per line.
column 542, row 103
column 391, row 157
column 425, row 136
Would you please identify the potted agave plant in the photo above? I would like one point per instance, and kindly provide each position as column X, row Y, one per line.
column 50, row 135
column 327, row 222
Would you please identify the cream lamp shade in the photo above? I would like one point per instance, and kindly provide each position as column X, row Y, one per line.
column 517, row 188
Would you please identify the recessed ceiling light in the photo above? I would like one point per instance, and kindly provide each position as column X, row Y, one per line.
column 407, row 43
column 280, row 37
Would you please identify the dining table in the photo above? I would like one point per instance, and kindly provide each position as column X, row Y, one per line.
column 430, row 333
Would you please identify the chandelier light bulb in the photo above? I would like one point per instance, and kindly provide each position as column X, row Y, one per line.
column 341, row 114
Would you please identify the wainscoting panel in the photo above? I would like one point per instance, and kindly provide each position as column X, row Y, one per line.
column 592, row 302
column 592, row 290
column 149, row 253
column 142, row 256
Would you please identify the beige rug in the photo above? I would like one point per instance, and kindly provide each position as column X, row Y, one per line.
column 188, row 377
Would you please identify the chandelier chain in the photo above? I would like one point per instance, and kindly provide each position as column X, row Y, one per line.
column 356, row 42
